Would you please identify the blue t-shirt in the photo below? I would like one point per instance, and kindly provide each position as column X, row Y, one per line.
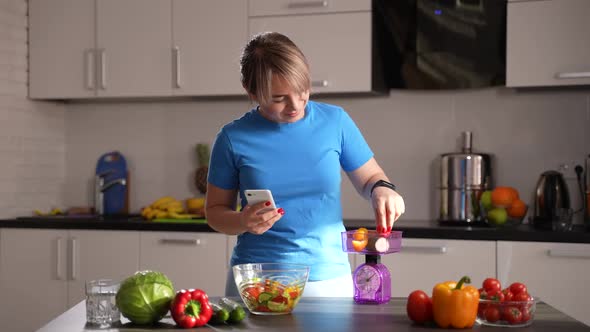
column 300, row 163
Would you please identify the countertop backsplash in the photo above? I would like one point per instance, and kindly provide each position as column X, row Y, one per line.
column 527, row 132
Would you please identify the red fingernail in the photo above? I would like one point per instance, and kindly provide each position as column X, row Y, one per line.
column 267, row 203
column 388, row 229
column 281, row 211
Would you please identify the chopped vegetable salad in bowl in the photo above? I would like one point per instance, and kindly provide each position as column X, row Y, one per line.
column 270, row 288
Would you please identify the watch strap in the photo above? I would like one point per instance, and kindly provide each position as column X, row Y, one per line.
column 382, row 183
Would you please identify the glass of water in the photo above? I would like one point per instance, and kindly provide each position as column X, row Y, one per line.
column 101, row 309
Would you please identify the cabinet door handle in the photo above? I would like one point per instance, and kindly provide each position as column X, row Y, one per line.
column 74, row 258
column 425, row 249
column 89, row 58
column 320, row 83
column 176, row 56
column 574, row 74
column 58, row 258
column 103, row 68
column 568, row 253
column 308, row 4
column 192, row 242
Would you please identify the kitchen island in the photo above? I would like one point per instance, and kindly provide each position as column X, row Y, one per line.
column 320, row 314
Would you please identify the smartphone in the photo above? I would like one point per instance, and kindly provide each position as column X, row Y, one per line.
column 254, row 196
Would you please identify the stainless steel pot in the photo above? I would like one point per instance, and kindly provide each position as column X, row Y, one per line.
column 464, row 177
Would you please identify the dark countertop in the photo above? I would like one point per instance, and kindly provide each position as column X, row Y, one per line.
column 425, row 229
column 322, row 314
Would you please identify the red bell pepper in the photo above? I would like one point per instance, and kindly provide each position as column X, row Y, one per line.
column 191, row 308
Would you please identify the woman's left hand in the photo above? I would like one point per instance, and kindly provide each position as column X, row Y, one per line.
column 388, row 206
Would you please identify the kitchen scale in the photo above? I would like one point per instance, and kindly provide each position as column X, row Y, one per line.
column 372, row 280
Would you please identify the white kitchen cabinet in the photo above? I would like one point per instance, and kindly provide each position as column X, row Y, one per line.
column 337, row 42
column 190, row 260
column 43, row 271
column 557, row 273
column 133, row 48
column 106, row 48
column 548, row 43
column 208, row 37
column 61, row 49
column 422, row 263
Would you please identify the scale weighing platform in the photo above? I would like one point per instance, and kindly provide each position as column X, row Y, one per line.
column 372, row 280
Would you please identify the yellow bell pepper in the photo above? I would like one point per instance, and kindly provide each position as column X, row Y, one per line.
column 455, row 304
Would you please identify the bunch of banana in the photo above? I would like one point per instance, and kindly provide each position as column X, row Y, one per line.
column 166, row 207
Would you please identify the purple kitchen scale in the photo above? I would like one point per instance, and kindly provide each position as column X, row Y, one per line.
column 372, row 280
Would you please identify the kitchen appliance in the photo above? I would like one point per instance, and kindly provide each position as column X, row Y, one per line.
column 372, row 280
column 464, row 177
column 551, row 196
column 111, row 185
column 441, row 44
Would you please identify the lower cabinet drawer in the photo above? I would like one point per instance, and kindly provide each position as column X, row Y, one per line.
column 190, row 260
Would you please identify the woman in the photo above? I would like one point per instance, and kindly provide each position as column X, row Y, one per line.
column 296, row 148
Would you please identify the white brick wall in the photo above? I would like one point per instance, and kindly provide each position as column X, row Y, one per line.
column 32, row 134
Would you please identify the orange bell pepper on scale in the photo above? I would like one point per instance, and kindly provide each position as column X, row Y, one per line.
column 455, row 304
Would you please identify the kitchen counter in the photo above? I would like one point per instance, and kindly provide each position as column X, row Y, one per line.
column 321, row 314
column 426, row 229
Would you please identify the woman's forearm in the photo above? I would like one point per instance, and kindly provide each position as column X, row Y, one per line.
column 225, row 220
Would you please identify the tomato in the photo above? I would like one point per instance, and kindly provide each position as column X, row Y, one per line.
column 512, row 315
column 526, row 316
column 492, row 314
column 507, row 294
column 521, row 297
column 491, row 284
column 419, row 307
column 496, row 295
column 518, row 287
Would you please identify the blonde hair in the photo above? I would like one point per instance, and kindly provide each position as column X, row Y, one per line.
column 269, row 54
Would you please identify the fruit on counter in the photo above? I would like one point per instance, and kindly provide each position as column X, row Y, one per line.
column 504, row 196
column 168, row 207
column 145, row 297
column 455, row 304
column 517, row 209
column 195, row 205
column 486, row 200
column 497, row 216
column 52, row 212
column 191, row 308
column 419, row 307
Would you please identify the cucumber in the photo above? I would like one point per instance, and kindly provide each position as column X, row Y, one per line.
column 236, row 311
column 264, row 297
column 220, row 314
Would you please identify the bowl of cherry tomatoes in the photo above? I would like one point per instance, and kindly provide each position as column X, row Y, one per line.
column 512, row 306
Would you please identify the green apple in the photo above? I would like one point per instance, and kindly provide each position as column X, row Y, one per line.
column 497, row 216
column 486, row 200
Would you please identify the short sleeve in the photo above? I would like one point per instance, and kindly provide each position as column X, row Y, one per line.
column 355, row 150
column 223, row 172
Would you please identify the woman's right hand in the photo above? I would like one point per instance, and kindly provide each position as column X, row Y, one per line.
column 256, row 223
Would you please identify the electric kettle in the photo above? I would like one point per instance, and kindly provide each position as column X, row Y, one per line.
column 551, row 194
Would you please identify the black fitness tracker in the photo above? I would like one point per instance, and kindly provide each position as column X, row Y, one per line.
column 382, row 183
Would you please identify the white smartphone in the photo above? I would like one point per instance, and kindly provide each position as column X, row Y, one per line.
column 254, row 196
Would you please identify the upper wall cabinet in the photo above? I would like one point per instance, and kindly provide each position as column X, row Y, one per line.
column 134, row 48
column 208, row 39
column 548, row 43
column 334, row 35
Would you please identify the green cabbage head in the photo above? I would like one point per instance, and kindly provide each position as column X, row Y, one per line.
column 145, row 297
